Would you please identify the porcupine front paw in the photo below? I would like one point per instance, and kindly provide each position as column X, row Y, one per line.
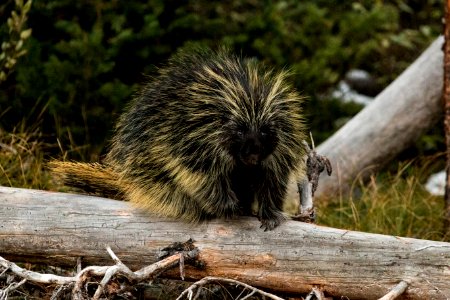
column 271, row 219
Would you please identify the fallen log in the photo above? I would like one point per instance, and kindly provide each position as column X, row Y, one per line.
column 396, row 118
column 58, row 228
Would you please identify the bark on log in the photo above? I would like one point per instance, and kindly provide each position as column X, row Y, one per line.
column 57, row 228
column 396, row 118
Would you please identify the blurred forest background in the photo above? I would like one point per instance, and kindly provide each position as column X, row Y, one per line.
column 69, row 67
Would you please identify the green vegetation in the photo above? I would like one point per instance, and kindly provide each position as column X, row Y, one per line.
column 12, row 49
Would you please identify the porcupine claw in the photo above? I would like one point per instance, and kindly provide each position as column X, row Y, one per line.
column 269, row 223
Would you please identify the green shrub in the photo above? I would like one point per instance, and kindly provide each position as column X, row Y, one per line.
column 12, row 48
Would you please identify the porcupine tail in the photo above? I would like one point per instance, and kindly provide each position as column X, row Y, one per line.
column 89, row 178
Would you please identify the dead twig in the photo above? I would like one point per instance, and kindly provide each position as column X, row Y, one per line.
column 5, row 292
column 58, row 292
column 34, row 276
column 315, row 293
column 193, row 292
column 396, row 291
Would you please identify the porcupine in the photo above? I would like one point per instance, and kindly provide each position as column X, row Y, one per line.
column 208, row 136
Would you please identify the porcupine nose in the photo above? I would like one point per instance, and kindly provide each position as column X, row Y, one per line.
column 253, row 159
column 252, row 151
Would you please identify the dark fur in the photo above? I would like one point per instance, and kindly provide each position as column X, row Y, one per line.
column 206, row 138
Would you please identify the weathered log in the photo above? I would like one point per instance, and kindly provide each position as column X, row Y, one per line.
column 58, row 228
column 396, row 118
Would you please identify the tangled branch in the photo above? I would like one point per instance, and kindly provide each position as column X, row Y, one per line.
column 193, row 292
column 78, row 283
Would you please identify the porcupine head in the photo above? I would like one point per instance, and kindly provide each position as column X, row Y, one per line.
column 211, row 136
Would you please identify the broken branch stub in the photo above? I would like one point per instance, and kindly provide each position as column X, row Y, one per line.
column 315, row 165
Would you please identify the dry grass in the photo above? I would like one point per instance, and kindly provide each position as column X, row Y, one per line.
column 24, row 155
column 21, row 159
column 394, row 204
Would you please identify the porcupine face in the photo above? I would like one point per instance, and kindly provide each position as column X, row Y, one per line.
column 250, row 146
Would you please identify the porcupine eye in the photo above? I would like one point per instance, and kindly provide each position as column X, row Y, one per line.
column 269, row 139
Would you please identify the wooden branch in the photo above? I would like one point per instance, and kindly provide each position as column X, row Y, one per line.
column 398, row 116
column 396, row 291
column 57, row 229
